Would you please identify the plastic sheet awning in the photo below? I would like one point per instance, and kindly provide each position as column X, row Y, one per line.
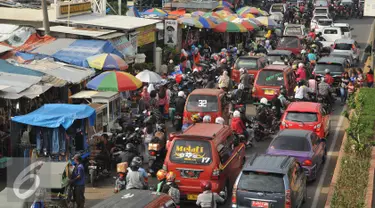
column 56, row 115
column 54, row 46
column 77, row 52
column 16, row 82
column 13, row 69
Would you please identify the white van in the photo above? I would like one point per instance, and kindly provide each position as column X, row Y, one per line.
column 345, row 29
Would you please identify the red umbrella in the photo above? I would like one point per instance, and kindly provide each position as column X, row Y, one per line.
column 248, row 25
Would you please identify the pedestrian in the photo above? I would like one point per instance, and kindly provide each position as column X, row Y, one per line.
column 344, row 87
column 208, row 199
column 360, row 78
column 180, row 104
column 224, row 81
column 370, row 78
column 162, row 99
column 77, row 181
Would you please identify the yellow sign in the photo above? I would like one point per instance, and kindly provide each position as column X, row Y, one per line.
column 146, row 35
column 75, row 8
column 190, row 149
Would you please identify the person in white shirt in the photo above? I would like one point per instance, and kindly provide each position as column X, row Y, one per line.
column 301, row 91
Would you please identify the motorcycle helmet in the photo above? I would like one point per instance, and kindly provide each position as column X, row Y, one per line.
column 195, row 118
column 181, row 94
column 136, row 162
column 219, row 120
column 129, row 147
column 223, row 61
column 161, row 174
column 171, row 176
column 301, row 65
column 283, row 92
column 242, row 70
column 206, row 185
column 160, row 127
column 171, row 61
column 236, row 114
column 207, row 119
column 264, row 101
column 294, row 66
column 314, row 46
column 303, row 51
column 327, row 71
column 195, row 70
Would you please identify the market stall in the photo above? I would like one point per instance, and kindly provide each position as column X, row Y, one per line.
column 55, row 130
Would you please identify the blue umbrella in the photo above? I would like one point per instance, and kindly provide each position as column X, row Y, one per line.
column 133, row 12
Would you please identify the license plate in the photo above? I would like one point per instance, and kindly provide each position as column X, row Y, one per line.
column 152, row 157
column 92, row 167
column 192, row 197
column 259, row 204
column 269, row 92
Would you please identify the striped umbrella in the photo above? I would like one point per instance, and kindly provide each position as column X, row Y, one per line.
column 246, row 23
column 247, row 15
column 197, row 13
column 230, row 27
column 206, row 22
column 268, row 22
column 219, row 8
column 222, row 14
column 215, row 19
column 255, row 21
column 190, row 21
column 115, row 81
column 246, row 10
column 225, row 4
column 107, row 61
column 262, row 12
column 156, row 12
column 242, row 10
column 231, row 17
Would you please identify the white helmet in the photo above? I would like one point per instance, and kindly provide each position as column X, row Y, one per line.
column 241, row 86
column 327, row 71
column 195, row 70
column 300, row 65
column 236, row 114
column 171, row 61
column 303, row 51
column 207, row 119
column 264, row 101
column 181, row 94
column 242, row 70
column 219, row 120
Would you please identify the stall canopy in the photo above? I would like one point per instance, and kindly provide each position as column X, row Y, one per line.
column 77, row 52
column 16, row 82
column 13, row 69
column 54, row 46
column 56, row 115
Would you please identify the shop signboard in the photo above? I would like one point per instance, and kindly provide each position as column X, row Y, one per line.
column 146, row 35
column 170, row 32
column 369, row 8
column 72, row 8
column 124, row 45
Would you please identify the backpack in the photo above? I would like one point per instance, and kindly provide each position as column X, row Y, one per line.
column 175, row 194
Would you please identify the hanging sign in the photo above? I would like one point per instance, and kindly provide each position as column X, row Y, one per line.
column 170, row 32
column 72, row 8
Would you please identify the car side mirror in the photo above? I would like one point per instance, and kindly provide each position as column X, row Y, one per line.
column 351, row 28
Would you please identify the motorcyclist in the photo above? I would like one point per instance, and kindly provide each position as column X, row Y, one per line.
column 206, row 51
column 276, row 105
column 129, row 153
column 301, row 72
column 301, row 91
column 135, row 179
column 325, row 91
column 237, row 124
column 161, row 175
column 312, row 34
column 171, row 187
column 208, row 199
column 220, row 120
column 262, row 111
column 180, row 104
column 245, row 79
column 311, row 56
column 283, row 99
column 207, row 119
column 328, row 78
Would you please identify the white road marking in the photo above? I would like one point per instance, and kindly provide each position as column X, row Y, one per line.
column 325, row 168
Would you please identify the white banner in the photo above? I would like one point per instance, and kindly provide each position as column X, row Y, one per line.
column 170, row 32
column 369, row 8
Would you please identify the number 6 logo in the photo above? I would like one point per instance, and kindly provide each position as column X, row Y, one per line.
column 22, row 178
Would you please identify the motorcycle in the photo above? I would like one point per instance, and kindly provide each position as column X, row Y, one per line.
column 325, row 103
column 157, row 152
column 97, row 170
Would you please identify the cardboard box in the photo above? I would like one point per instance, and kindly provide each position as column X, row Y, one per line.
column 121, row 167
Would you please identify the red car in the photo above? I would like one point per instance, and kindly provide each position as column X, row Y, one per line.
column 307, row 116
column 250, row 63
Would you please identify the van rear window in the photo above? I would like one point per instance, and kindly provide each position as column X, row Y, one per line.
column 246, row 63
column 335, row 68
column 186, row 151
column 202, row 103
column 261, row 182
column 270, row 78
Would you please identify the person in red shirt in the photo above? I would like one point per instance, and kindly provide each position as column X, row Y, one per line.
column 370, row 78
column 312, row 34
column 301, row 8
column 328, row 78
column 237, row 124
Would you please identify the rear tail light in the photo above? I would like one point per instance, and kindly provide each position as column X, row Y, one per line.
column 317, row 127
column 307, row 163
column 234, row 196
column 284, row 124
column 152, row 153
column 215, row 174
column 288, row 202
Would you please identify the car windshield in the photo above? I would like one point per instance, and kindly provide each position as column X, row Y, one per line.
column 270, row 78
column 261, row 182
column 325, row 22
column 347, row 56
column 247, row 63
column 186, row 151
column 345, row 29
column 301, row 116
column 202, row 103
column 321, row 3
column 291, row 143
column 274, row 58
column 277, row 8
column 317, row 18
column 293, row 31
column 288, row 42
column 320, row 11
column 343, row 46
column 335, row 68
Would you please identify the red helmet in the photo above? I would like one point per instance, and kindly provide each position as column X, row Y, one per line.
column 206, row 185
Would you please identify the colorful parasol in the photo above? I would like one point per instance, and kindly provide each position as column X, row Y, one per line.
column 206, row 22
column 107, row 61
column 247, row 10
column 262, row 12
column 247, row 15
column 156, row 12
column 255, row 21
column 197, row 13
column 246, row 23
column 266, row 21
column 178, row 12
column 231, row 17
column 190, row 21
column 215, row 19
column 225, row 4
column 222, row 14
column 219, row 8
column 116, row 81
column 230, row 27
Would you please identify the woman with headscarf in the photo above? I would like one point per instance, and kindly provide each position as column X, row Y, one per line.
column 144, row 101
column 224, row 81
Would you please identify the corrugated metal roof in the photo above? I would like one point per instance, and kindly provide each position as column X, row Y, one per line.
column 54, row 46
column 84, row 94
column 17, row 82
column 69, row 73
column 5, row 48
column 13, row 69
column 89, row 32
column 2, row 87
column 34, row 91
column 54, row 81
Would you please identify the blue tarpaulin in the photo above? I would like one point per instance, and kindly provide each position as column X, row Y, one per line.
column 13, row 69
column 29, row 56
column 80, row 50
column 56, row 115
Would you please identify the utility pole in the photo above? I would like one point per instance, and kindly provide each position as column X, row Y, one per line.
column 45, row 18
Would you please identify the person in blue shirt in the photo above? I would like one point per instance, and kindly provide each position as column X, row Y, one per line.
column 311, row 56
column 77, row 181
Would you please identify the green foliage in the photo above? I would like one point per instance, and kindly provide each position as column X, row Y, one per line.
column 350, row 189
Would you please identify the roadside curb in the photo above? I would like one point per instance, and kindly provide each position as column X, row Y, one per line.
column 370, row 185
column 336, row 172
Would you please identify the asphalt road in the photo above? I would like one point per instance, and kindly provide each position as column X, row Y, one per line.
column 318, row 189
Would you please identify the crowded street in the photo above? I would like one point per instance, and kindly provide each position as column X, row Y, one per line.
column 182, row 104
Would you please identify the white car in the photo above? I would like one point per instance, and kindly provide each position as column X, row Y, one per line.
column 330, row 35
column 277, row 11
column 295, row 30
column 321, row 10
column 347, row 45
column 321, row 24
column 345, row 29
column 321, row 3
column 317, row 17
